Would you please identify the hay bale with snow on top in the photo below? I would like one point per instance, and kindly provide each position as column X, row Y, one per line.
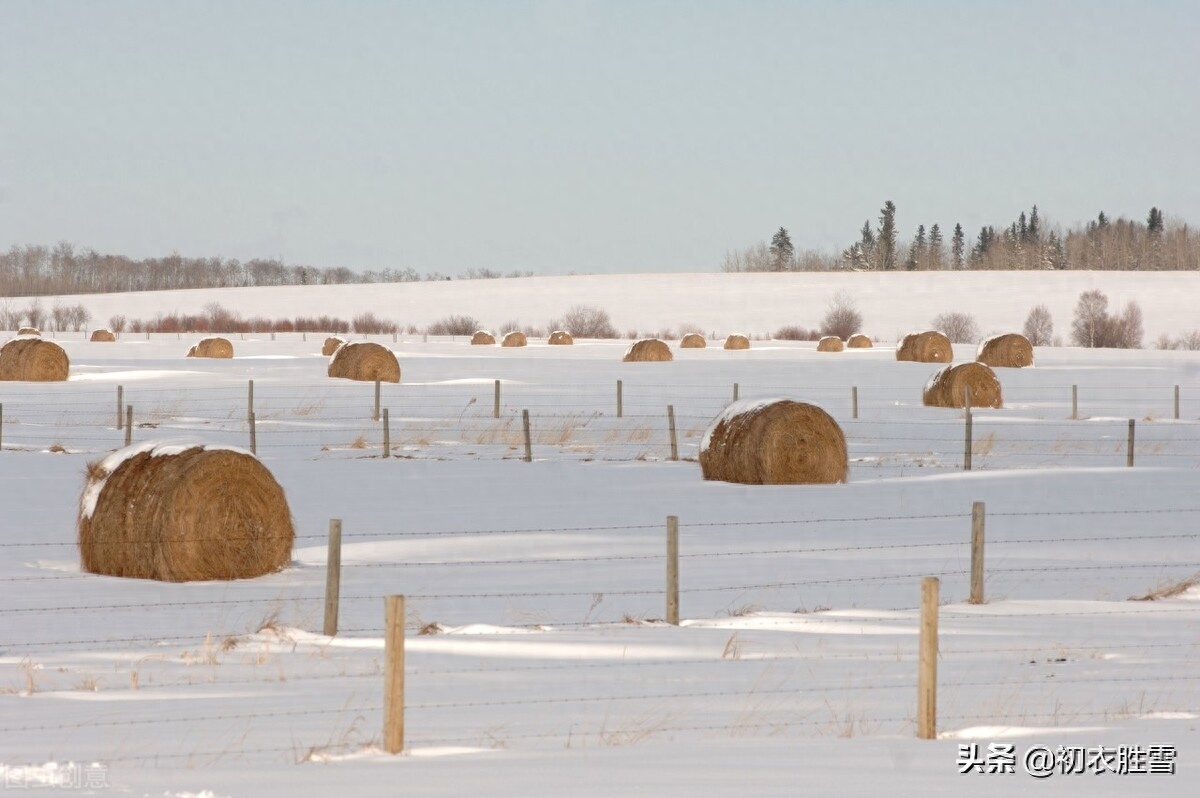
column 925, row 347
column 774, row 442
column 736, row 341
column 1010, row 350
column 102, row 336
column 331, row 345
column 483, row 338
column 859, row 341
column 31, row 359
column 693, row 341
column 560, row 338
column 212, row 347
column 647, row 350
column 830, row 343
column 514, row 338
column 181, row 513
column 365, row 361
column 29, row 331
column 947, row 387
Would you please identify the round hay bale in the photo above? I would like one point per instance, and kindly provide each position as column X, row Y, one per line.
column 774, row 442
column 33, row 360
column 183, row 512
column 212, row 347
column 647, row 350
column 331, row 345
column 859, row 341
column 830, row 343
column 925, row 347
column 514, row 338
column 947, row 387
column 693, row 341
column 483, row 338
column 29, row 331
column 103, row 336
column 1010, row 350
column 365, row 361
column 560, row 338
column 736, row 341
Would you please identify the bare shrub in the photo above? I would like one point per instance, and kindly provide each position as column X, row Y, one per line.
column 80, row 316
column 10, row 317
column 586, row 321
column 796, row 333
column 1039, row 326
column 60, row 316
column 960, row 328
column 454, row 325
column 1190, row 340
column 117, row 324
column 370, row 324
column 842, row 319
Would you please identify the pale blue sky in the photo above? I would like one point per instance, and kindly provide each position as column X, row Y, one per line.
column 580, row 136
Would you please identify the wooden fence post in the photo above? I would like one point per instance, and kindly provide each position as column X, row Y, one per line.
column 977, row 524
column 333, row 577
column 128, row 424
column 854, row 401
column 671, row 426
column 120, row 406
column 253, row 436
column 393, row 678
column 496, row 402
column 528, row 438
column 1074, row 402
column 1129, row 447
column 250, row 400
column 1176, row 402
column 673, row 570
column 377, row 392
column 967, row 437
column 387, row 435
column 620, row 408
column 737, row 391
column 927, row 668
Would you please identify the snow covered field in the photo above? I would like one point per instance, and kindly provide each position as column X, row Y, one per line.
column 542, row 668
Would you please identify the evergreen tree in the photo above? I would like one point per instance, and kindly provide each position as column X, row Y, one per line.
column 1154, row 234
column 782, row 251
column 1035, row 226
column 1101, row 221
column 936, row 255
column 958, row 245
column 886, row 243
column 1154, row 222
column 867, row 243
column 1022, row 229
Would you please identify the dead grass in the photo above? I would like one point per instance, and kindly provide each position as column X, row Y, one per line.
column 1168, row 590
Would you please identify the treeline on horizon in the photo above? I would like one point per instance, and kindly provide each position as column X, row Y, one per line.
column 1027, row 242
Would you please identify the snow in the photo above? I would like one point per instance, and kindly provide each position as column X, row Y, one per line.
column 549, row 669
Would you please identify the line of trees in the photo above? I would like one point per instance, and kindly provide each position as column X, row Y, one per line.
column 35, row 270
column 1027, row 242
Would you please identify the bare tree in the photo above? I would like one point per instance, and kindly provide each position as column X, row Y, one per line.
column 35, row 313
column 586, row 321
column 1091, row 315
column 1039, row 326
column 960, row 328
column 10, row 317
column 117, row 324
column 842, row 319
column 80, row 316
column 60, row 316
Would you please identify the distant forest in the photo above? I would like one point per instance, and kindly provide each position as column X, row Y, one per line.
column 1027, row 242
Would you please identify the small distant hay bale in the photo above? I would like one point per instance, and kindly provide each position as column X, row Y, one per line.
column 693, row 341
column 830, row 343
column 947, row 387
column 29, row 331
column 774, row 442
column 102, row 335
column 331, row 345
column 514, row 338
column 560, row 338
column 33, row 360
column 365, row 361
column 212, row 347
column 1010, row 350
column 925, row 347
column 181, row 513
column 736, row 341
column 647, row 350
column 859, row 341
column 483, row 338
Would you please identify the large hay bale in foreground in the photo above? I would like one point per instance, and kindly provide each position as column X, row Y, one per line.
column 365, row 361
column 925, row 347
column 647, row 350
column 693, row 341
column 830, row 343
column 33, row 360
column 736, row 341
column 859, row 341
column 183, row 512
column 483, row 338
column 774, row 442
column 103, row 336
column 560, row 338
column 29, row 331
column 212, row 347
column 1010, row 350
column 947, row 387
column 514, row 338
column 331, row 345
